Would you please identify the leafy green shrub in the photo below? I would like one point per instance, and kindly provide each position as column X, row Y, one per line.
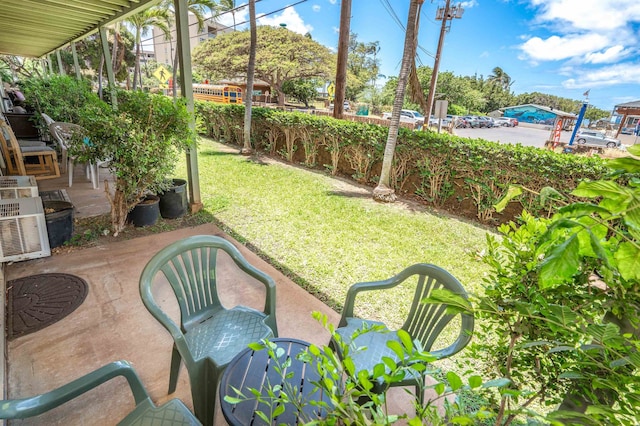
column 561, row 308
column 141, row 142
column 61, row 97
column 442, row 169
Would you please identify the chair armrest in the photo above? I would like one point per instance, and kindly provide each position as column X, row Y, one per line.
column 35, row 405
column 349, row 303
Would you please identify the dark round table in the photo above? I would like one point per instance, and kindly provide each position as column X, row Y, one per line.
column 256, row 370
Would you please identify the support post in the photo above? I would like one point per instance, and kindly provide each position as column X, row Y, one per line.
column 579, row 121
column 50, row 64
column 186, row 84
column 60, row 67
column 76, row 64
column 107, row 61
column 448, row 14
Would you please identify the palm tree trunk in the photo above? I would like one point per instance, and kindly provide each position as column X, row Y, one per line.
column 384, row 192
column 248, row 95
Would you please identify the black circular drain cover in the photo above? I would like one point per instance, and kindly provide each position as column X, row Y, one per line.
column 37, row 301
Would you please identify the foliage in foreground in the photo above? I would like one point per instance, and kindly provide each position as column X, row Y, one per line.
column 561, row 308
column 349, row 397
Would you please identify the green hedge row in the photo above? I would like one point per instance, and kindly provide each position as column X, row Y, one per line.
column 460, row 175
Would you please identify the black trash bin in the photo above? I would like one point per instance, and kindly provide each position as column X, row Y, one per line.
column 59, row 218
column 173, row 202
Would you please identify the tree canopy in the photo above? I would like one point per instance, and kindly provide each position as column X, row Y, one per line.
column 281, row 56
column 475, row 94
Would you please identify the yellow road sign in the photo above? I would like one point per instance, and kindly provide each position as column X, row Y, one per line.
column 162, row 74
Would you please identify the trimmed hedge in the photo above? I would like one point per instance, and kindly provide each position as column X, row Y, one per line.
column 460, row 175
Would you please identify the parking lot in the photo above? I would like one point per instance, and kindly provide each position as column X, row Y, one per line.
column 523, row 135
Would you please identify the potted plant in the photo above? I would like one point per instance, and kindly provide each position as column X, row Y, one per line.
column 141, row 140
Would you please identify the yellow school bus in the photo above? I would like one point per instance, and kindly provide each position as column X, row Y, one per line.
column 224, row 94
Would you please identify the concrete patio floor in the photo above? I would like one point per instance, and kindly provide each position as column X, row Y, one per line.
column 113, row 324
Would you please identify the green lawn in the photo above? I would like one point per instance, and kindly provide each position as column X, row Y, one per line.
column 327, row 234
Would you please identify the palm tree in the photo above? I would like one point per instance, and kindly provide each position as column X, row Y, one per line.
column 248, row 96
column 229, row 6
column 500, row 78
column 142, row 22
column 384, row 192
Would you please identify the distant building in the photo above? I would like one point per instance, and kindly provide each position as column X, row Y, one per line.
column 537, row 114
column 630, row 113
column 165, row 48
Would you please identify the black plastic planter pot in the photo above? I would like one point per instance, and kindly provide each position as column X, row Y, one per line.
column 146, row 212
column 59, row 218
column 173, row 202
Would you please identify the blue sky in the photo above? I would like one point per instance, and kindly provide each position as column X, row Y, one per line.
column 560, row 47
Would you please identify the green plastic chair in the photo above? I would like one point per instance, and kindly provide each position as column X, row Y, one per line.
column 424, row 323
column 173, row 412
column 209, row 335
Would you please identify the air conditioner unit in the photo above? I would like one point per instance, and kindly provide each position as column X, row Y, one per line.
column 18, row 187
column 23, row 230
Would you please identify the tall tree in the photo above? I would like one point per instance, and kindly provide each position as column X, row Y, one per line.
column 281, row 55
column 142, row 23
column 362, row 66
column 229, row 6
column 341, row 62
column 384, row 191
column 500, row 78
column 251, row 69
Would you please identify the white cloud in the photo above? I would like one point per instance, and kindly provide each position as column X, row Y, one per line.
column 333, row 1
column 288, row 16
column 556, row 48
column 592, row 15
column 240, row 15
column 607, row 76
column 468, row 4
column 610, row 55
column 316, row 8
column 589, row 39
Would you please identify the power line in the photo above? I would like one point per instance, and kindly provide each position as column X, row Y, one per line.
column 394, row 16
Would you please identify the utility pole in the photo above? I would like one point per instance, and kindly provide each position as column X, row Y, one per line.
column 444, row 14
column 343, row 50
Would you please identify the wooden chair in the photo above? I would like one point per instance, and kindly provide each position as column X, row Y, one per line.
column 45, row 166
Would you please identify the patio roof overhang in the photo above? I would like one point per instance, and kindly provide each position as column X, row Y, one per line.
column 33, row 28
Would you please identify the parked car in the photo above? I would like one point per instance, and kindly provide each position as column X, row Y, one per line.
column 485, row 121
column 472, row 121
column 408, row 116
column 347, row 107
column 504, row 122
column 596, row 139
column 433, row 121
